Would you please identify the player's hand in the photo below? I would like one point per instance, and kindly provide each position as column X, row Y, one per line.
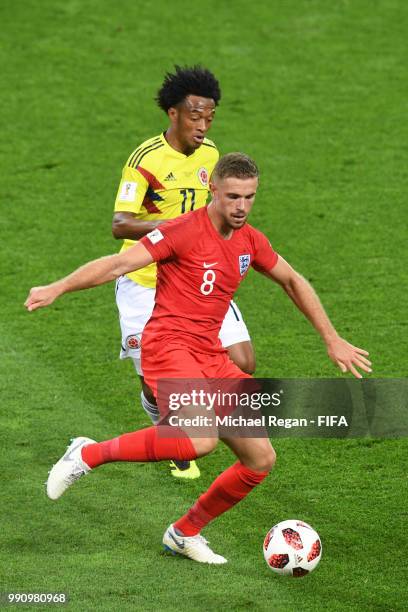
column 39, row 297
column 348, row 357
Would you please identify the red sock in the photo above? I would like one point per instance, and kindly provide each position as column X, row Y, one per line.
column 143, row 445
column 227, row 490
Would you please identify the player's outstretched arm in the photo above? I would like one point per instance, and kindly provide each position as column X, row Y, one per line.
column 94, row 273
column 126, row 225
column 346, row 356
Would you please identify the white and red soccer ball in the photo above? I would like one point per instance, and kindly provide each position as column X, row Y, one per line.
column 292, row 548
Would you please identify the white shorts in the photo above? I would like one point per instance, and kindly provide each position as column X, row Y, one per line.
column 135, row 304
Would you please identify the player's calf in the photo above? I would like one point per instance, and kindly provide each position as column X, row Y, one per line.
column 150, row 408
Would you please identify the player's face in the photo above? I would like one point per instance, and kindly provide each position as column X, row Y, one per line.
column 191, row 120
column 233, row 199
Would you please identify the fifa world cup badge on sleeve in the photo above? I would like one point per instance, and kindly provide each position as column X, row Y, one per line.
column 128, row 191
column 155, row 236
column 244, row 261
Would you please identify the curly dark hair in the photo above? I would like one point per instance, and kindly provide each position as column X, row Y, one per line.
column 185, row 81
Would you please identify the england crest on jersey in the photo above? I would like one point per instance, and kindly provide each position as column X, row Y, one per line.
column 244, row 261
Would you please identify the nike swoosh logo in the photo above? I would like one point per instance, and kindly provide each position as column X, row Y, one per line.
column 210, row 265
column 68, row 457
column 177, row 543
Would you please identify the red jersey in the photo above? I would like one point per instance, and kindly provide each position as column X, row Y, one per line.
column 198, row 274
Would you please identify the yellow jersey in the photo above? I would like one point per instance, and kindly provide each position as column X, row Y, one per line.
column 159, row 182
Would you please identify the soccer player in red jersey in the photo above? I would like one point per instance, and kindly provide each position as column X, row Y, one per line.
column 166, row 176
column 202, row 258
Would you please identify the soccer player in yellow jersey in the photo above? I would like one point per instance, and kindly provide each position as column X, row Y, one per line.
column 165, row 177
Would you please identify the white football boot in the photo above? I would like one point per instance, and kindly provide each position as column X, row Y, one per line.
column 68, row 469
column 194, row 547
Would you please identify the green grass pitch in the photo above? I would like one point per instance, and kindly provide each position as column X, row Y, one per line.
column 316, row 92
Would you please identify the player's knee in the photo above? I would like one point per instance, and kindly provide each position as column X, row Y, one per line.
column 265, row 461
column 204, row 446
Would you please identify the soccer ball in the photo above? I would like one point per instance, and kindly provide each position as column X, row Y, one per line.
column 292, row 548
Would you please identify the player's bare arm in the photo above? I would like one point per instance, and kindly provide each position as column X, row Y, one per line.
column 125, row 225
column 346, row 356
column 92, row 274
